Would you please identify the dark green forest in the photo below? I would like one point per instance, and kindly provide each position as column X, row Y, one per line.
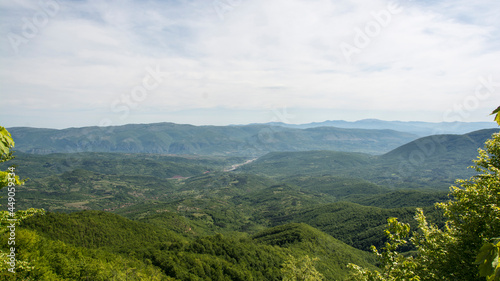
column 153, row 216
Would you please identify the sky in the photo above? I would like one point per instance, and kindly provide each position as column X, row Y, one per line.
column 75, row 63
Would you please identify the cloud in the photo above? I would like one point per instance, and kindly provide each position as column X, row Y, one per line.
column 248, row 56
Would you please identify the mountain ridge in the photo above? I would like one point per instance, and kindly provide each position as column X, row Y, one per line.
column 419, row 128
column 433, row 161
column 171, row 138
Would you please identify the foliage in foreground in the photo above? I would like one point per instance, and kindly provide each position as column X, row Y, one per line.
column 10, row 219
column 300, row 269
column 463, row 249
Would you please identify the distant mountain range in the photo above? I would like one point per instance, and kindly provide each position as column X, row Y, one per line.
column 368, row 136
column 170, row 138
column 414, row 127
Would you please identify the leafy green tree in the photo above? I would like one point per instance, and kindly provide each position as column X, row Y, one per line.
column 474, row 211
column 300, row 269
column 489, row 254
column 11, row 180
column 6, row 144
column 463, row 248
column 394, row 265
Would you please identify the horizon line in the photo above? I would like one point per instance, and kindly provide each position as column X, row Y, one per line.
column 264, row 123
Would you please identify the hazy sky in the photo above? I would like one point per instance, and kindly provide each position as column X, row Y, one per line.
column 89, row 63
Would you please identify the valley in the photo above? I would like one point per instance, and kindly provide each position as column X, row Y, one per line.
column 225, row 215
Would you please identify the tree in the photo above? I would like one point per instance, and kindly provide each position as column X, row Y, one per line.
column 489, row 254
column 474, row 212
column 6, row 144
column 301, row 269
column 466, row 247
column 394, row 265
column 11, row 180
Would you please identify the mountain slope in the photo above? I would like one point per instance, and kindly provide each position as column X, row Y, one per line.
column 440, row 159
column 169, row 138
column 160, row 166
column 286, row 164
column 356, row 225
column 429, row 162
column 215, row 257
column 433, row 147
column 303, row 239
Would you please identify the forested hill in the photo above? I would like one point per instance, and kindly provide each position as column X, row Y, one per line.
column 170, row 138
column 442, row 149
column 431, row 162
column 109, row 243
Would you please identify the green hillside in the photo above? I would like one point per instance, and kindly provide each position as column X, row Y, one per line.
column 400, row 198
column 285, row 164
column 228, row 202
column 433, row 162
column 92, row 235
column 365, row 192
column 86, row 190
column 354, row 224
column 160, row 166
column 44, row 259
column 303, row 239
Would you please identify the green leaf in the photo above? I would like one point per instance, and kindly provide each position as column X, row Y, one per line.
column 497, row 117
column 487, row 259
column 6, row 142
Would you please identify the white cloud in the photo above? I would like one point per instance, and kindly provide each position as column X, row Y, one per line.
column 261, row 55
